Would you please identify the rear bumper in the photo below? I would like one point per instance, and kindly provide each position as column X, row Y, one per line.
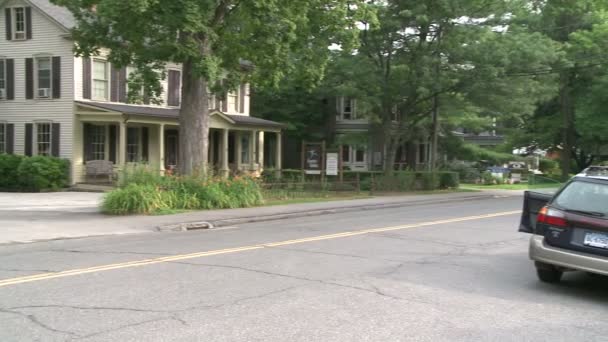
column 540, row 251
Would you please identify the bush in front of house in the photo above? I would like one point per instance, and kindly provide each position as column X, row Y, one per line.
column 9, row 164
column 20, row 173
column 146, row 194
column 43, row 173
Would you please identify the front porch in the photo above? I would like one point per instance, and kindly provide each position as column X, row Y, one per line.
column 124, row 134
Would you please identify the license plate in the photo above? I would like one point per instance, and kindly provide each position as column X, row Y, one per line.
column 596, row 240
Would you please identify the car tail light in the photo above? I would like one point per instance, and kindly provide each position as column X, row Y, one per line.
column 552, row 217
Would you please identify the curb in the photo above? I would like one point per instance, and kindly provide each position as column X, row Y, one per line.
column 187, row 226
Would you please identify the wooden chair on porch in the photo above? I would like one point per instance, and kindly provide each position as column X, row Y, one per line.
column 96, row 168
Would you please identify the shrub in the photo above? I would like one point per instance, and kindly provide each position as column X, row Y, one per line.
column 134, row 199
column 429, row 180
column 487, row 178
column 9, row 165
column 43, row 173
column 146, row 194
column 449, row 180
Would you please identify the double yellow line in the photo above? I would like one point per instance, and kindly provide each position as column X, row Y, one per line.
column 146, row 262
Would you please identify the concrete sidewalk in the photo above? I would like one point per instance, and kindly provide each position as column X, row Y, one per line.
column 34, row 217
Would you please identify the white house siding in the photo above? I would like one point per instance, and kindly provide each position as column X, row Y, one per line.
column 48, row 38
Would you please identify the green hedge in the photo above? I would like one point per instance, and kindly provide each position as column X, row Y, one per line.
column 34, row 174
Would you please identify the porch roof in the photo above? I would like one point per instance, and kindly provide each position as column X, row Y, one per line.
column 173, row 113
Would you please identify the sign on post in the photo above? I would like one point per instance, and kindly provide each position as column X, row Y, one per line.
column 313, row 162
column 331, row 169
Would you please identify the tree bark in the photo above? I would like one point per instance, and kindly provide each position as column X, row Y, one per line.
column 193, row 123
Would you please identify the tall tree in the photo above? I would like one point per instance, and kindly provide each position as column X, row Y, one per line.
column 211, row 39
column 457, row 56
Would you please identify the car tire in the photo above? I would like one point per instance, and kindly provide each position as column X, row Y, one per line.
column 549, row 274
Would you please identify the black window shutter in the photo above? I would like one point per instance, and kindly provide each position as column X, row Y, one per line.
column 29, row 136
column 28, row 22
column 10, row 79
column 144, row 143
column 56, row 77
column 113, row 143
column 56, row 139
column 225, row 103
column 10, row 138
column 29, row 78
column 242, row 97
column 114, row 84
column 174, row 85
column 122, row 85
column 9, row 24
column 86, row 78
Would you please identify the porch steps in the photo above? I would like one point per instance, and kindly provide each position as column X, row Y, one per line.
column 85, row 187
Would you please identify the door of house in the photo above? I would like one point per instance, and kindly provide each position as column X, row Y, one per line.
column 171, row 149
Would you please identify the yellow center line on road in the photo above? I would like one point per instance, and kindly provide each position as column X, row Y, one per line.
column 146, row 262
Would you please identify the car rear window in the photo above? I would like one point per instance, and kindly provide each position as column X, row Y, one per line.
column 584, row 196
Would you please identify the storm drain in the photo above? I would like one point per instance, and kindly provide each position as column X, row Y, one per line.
column 182, row 227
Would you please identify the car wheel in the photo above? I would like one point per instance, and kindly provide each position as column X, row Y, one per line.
column 549, row 274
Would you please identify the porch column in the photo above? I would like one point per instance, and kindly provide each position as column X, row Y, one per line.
column 261, row 150
column 161, row 148
column 225, row 170
column 279, row 154
column 252, row 155
column 122, row 143
column 239, row 149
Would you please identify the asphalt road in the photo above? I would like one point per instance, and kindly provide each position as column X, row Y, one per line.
column 446, row 272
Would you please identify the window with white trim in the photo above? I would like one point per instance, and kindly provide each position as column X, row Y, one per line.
column 43, row 138
column 19, row 24
column 354, row 154
column 347, row 109
column 2, row 138
column 44, row 74
column 2, row 79
column 233, row 101
column 100, row 80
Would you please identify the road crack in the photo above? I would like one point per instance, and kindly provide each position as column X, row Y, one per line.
column 34, row 320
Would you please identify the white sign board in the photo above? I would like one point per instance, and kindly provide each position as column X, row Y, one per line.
column 331, row 168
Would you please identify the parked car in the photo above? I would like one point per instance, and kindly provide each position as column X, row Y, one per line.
column 569, row 227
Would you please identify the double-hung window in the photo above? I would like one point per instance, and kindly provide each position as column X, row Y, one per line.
column 347, row 109
column 2, row 79
column 44, row 77
column 244, row 149
column 43, row 138
column 233, row 101
column 19, row 25
column 100, row 80
column 98, row 141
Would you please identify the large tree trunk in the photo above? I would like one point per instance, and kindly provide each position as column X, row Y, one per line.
column 567, row 113
column 193, row 123
column 392, row 144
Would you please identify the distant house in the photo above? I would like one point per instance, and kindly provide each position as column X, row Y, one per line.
column 55, row 104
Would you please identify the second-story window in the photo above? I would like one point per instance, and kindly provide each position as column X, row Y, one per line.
column 43, row 77
column 100, row 80
column 19, row 25
column 347, row 109
column 233, row 101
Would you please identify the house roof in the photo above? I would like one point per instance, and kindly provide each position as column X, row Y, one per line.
column 59, row 14
column 173, row 113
